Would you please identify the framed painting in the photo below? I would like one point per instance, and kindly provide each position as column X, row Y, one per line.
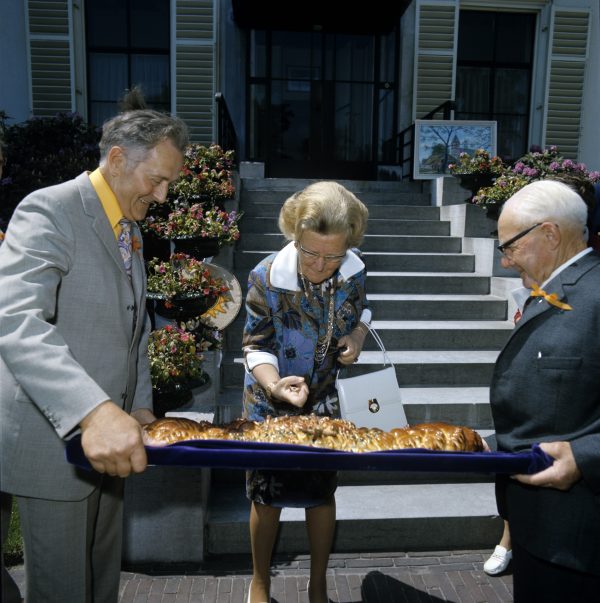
column 440, row 142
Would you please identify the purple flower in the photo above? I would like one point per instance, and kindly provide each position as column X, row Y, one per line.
column 554, row 166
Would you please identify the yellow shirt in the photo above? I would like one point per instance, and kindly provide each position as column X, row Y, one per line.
column 109, row 201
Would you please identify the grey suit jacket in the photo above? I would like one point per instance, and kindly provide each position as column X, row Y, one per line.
column 546, row 387
column 73, row 333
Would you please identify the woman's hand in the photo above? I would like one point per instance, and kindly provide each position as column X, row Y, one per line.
column 352, row 345
column 292, row 390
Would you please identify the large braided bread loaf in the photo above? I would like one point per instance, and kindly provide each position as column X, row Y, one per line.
column 311, row 430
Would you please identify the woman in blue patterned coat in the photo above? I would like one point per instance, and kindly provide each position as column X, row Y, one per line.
column 307, row 314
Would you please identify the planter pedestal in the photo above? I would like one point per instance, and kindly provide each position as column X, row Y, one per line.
column 165, row 515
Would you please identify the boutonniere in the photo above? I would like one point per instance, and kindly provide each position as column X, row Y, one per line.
column 551, row 298
column 1, row 236
column 136, row 244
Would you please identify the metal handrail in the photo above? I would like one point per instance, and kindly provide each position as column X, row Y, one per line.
column 226, row 135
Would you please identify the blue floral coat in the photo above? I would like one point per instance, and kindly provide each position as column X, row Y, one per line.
column 282, row 323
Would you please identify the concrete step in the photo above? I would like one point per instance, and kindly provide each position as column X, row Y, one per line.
column 413, row 368
column 419, row 334
column 357, row 186
column 403, row 243
column 369, row 517
column 380, row 226
column 437, row 307
column 419, row 262
column 393, row 198
column 392, row 262
column 253, row 207
column 455, row 405
column 427, row 282
column 459, row 283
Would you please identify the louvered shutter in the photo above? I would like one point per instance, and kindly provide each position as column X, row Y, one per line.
column 435, row 55
column 50, row 57
column 568, row 52
column 195, row 67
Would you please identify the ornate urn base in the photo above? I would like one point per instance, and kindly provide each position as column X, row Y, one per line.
column 171, row 396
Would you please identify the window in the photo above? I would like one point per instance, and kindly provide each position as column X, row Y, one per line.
column 494, row 73
column 127, row 45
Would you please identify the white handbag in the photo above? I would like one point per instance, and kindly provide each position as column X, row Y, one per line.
column 372, row 399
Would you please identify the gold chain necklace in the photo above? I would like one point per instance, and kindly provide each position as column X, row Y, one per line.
column 322, row 342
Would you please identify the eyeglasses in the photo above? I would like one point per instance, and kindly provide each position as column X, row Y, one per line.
column 313, row 256
column 505, row 247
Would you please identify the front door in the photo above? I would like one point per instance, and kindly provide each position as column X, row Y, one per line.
column 321, row 106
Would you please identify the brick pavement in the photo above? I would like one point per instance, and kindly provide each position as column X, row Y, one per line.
column 368, row 578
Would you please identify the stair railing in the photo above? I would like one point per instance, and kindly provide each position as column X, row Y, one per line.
column 226, row 135
column 405, row 139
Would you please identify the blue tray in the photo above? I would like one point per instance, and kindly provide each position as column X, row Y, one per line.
column 255, row 455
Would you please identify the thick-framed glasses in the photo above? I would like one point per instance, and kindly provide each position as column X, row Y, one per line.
column 505, row 247
column 313, row 256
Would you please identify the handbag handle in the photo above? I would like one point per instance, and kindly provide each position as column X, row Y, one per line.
column 386, row 359
column 375, row 334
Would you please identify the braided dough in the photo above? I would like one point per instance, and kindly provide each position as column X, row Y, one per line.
column 321, row 432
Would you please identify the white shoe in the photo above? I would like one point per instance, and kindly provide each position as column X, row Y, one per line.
column 498, row 561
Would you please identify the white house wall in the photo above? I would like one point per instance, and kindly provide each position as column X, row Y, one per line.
column 566, row 79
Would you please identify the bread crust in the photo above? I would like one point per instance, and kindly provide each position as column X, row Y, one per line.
column 321, row 432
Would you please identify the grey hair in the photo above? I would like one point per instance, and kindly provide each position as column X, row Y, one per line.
column 325, row 208
column 139, row 131
column 549, row 201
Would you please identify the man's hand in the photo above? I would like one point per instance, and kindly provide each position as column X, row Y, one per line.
column 112, row 441
column 563, row 472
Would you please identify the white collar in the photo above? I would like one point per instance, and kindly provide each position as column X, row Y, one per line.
column 284, row 270
column 565, row 265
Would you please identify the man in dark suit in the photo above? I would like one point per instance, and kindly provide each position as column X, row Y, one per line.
column 73, row 356
column 546, row 389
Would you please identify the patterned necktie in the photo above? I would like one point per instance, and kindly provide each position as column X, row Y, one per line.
column 124, row 241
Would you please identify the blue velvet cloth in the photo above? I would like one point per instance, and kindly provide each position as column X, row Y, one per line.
column 254, row 455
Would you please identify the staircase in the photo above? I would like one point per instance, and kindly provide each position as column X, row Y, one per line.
column 442, row 329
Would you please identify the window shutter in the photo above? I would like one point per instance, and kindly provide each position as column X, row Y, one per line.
column 195, row 67
column 50, row 57
column 568, row 52
column 435, row 55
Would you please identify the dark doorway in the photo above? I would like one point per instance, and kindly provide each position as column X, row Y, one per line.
column 321, row 104
column 494, row 74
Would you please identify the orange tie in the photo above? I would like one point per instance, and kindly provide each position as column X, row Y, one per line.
column 551, row 298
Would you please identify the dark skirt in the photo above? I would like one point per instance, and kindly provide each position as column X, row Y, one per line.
column 290, row 488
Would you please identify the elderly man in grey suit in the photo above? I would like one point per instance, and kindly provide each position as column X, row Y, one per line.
column 546, row 389
column 73, row 339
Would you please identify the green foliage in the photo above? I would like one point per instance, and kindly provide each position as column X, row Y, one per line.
column 173, row 356
column 479, row 163
column 183, row 276
column 13, row 547
column 195, row 220
column 206, row 174
column 535, row 165
column 45, row 151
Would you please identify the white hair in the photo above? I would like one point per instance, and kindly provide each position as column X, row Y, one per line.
column 548, row 201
